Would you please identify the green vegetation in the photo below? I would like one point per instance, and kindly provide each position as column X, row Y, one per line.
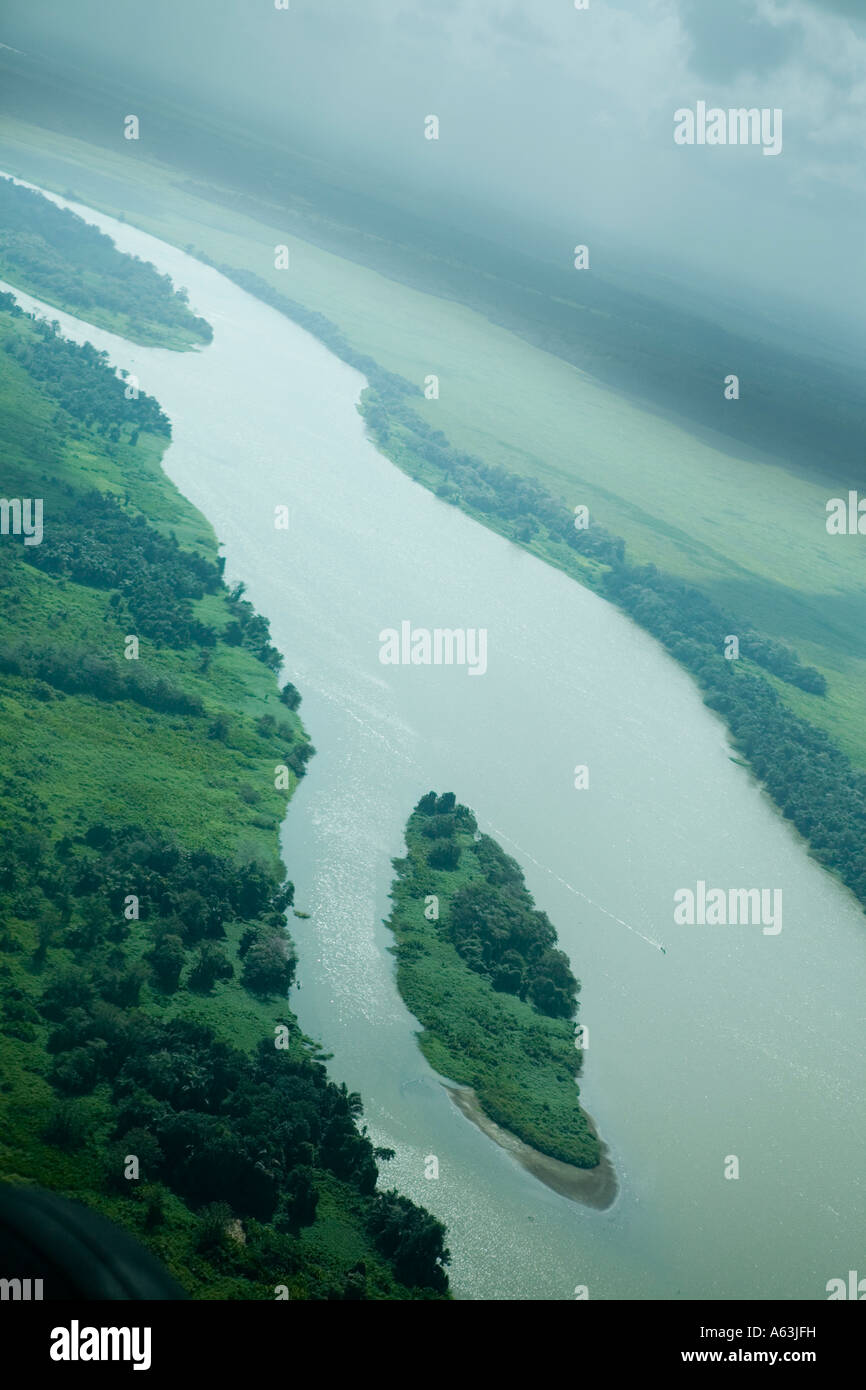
column 56, row 256
column 144, row 957
column 478, row 966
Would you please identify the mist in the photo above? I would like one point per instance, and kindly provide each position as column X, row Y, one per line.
column 555, row 124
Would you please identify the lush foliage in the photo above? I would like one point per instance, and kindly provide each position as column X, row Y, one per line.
column 479, row 968
column 207, row 1122
column 492, row 920
column 100, row 544
column 78, row 378
column 77, row 669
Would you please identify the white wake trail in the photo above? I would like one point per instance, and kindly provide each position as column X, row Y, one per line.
column 500, row 834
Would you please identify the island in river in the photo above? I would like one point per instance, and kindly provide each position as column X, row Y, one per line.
column 478, row 965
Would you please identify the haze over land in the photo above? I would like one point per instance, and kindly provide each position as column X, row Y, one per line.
column 556, row 124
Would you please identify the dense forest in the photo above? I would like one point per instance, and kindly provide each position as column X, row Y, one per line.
column 57, row 256
column 75, row 377
column 144, row 955
column 226, row 1134
column 478, row 965
column 492, row 920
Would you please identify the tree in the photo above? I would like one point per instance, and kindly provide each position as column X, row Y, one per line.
column 509, row 976
column 67, row 1126
column 116, row 982
column 47, row 928
column 298, row 1203
column 69, row 989
column 445, row 854
column 211, row 964
column 549, row 999
column 268, row 968
column 413, row 1239
column 166, row 960
column 220, row 728
column 214, row 1221
column 439, row 827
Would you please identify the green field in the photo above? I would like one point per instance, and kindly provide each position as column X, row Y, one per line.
column 747, row 530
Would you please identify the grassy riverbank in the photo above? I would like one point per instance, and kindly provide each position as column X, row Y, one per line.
column 144, row 957
column 477, row 965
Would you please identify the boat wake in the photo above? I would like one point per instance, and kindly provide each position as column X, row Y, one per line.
column 500, row 835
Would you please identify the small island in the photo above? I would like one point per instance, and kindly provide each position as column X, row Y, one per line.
column 478, row 965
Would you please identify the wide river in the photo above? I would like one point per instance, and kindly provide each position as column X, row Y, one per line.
column 732, row 1043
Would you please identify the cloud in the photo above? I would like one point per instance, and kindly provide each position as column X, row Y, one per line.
column 556, row 124
column 736, row 37
column 851, row 9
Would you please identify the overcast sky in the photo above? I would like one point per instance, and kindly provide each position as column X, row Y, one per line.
column 548, row 115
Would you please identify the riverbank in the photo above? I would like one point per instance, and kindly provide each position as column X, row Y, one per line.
column 477, row 965
column 144, row 956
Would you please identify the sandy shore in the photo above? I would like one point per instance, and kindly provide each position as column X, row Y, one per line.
column 594, row 1187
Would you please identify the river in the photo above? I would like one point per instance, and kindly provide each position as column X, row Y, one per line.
column 732, row 1043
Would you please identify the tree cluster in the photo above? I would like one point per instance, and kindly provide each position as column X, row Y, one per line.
column 79, row 670
column 232, row 1134
column 493, row 921
column 98, row 543
column 79, row 378
column 249, row 629
column 63, row 258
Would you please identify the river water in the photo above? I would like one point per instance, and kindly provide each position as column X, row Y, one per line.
column 732, row 1043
